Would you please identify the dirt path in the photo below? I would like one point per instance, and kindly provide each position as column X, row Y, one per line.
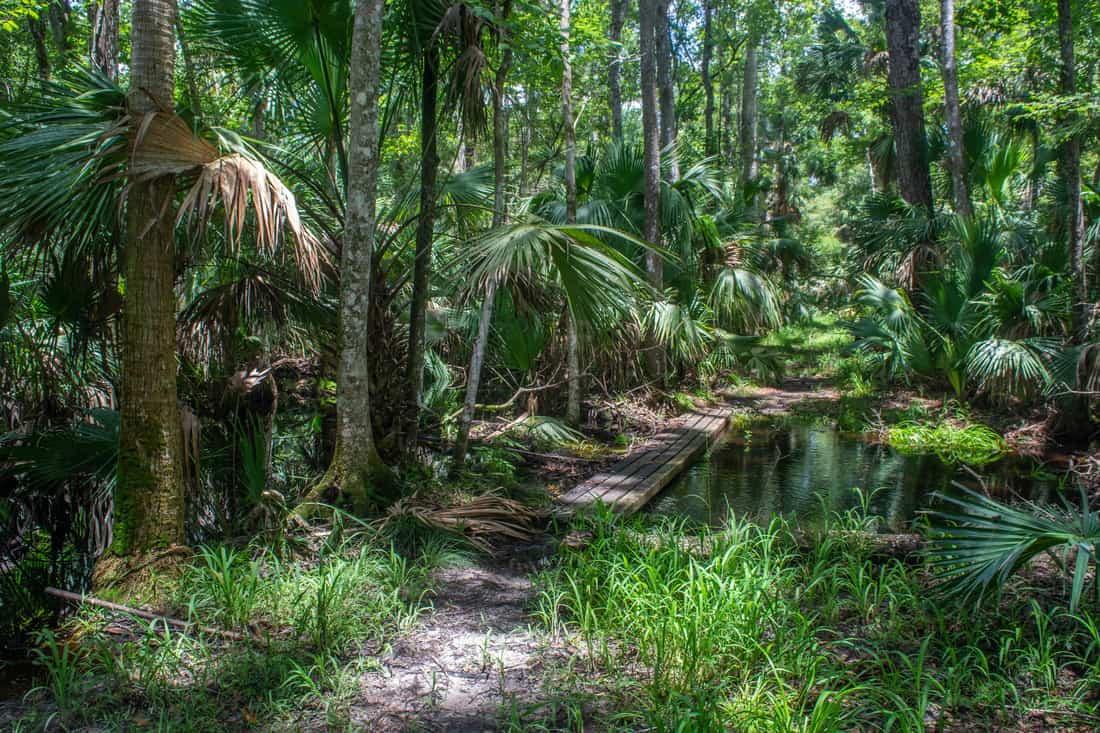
column 464, row 666
column 780, row 400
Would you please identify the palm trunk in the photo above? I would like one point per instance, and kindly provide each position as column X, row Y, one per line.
column 500, row 140
column 708, row 83
column 952, row 109
column 615, row 70
column 425, row 232
column 149, row 495
column 573, row 397
column 666, row 87
column 356, row 460
column 651, row 232
column 906, row 108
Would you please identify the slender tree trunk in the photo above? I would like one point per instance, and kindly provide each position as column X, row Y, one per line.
column 615, row 70
column 952, row 109
column 573, row 396
column 666, row 87
column 104, row 20
column 708, row 83
column 906, row 108
column 748, row 118
column 727, row 141
column 500, row 152
column 60, row 13
column 356, row 461
column 149, row 496
column 425, row 233
column 37, row 28
column 193, row 97
column 1070, row 165
column 651, row 231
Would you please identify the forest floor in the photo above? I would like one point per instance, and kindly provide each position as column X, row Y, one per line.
column 490, row 652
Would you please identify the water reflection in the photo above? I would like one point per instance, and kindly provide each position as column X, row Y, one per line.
column 804, row 471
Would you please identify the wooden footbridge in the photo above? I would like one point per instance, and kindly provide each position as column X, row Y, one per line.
column 633, row 481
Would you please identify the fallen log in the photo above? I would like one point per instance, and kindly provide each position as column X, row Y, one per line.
column 148, row 615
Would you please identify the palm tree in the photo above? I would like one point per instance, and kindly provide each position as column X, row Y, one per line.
column 149, row 497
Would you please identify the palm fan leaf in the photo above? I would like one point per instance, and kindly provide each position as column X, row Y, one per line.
column 979, row 543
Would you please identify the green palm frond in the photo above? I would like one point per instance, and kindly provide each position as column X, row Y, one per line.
column 744, row 301
column 978, row 543
column 599, row 283
column 1006, row 367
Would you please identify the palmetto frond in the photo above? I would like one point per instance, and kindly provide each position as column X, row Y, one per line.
column 979, row 543
column 744, row 301
column 599, row 283
column 1006, row 367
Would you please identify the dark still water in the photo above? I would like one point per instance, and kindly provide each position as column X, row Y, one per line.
column 808, row 472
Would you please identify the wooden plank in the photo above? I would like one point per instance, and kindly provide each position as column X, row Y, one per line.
column 632, row 465
column 630, row 484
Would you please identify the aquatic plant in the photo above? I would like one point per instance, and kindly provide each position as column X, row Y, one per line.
column 973, row 444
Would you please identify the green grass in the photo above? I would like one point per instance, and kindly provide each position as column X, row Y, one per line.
column 312, row 616
column 746, row 630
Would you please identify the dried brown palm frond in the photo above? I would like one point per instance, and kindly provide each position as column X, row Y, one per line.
column 234, row 180
column 478, row 520
column 875, row 61
column 833, row 122
column 165, row 145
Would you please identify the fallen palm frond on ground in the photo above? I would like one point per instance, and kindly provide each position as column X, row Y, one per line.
column 477, row 520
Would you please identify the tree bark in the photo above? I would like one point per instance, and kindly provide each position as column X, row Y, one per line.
column 356, row 461
column 615, row 70
column 573, row 392
column 104, row 20
column 651, row 231
column 425, row 233
column 906, row 108
column 500, row 152
column 149, row 496
column 1070, row 164
column 666, row 87
column 952, row 109
column 37, row 28
column 708, row 83
column 747, row 136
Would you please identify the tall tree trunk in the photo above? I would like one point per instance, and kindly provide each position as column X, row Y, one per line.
column 747, row 136
column 60, row 13
column 906, row 108
column 149, row 495
column 727, row 138
column 666, row 86
column 573, row 395
column 103, row 18
column 651, row 231
column 500, row 152
column 356, row 461
column 615, row 70
column 425, row 233
column 193, row 97
column 37, row 28
column 1070, row 164
column 952, row 109
column 708, row 83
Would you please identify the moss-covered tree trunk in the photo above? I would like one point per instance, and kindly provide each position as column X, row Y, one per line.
column 149, row 498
